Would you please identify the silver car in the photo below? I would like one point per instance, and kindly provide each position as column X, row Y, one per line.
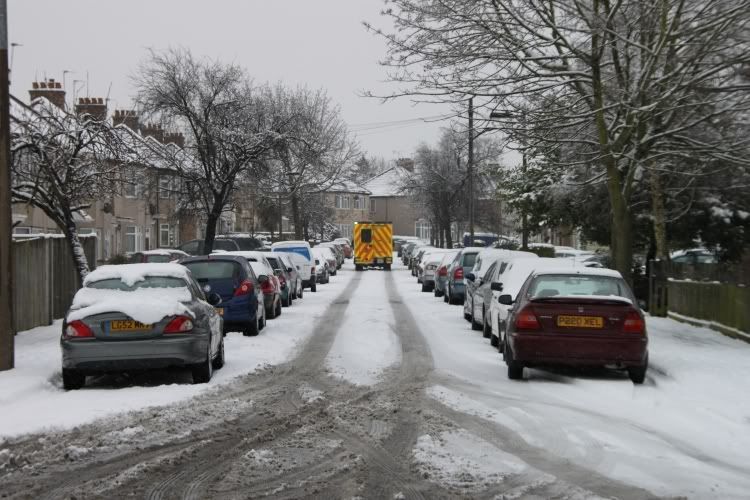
column 137, row 317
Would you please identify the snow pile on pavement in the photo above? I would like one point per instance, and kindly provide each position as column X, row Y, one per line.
column 32, row 398
column 461, row 460
column 366, row 344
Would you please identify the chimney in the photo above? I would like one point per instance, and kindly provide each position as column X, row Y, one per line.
column 175, row 138
column 93, row 106
column 154, row 131
column 49, row 89
column 126, row 117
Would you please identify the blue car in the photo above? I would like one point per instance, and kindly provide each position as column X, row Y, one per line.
column 232, row 278
column 455, row 289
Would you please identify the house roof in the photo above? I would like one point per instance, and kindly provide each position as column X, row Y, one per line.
column 347, row 187
column 388, row 183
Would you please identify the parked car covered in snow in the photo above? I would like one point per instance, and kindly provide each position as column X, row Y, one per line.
column 301, row 255
column 462, row 264
column 326, row 255
column 271, row 287
column 287, row 280
column 232, row 278
column 158, row 256
column 428, row 267
column 141, row 316
column 441, row 273
column 576, row 317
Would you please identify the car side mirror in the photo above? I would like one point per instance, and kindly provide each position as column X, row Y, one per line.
column 262, row 278
column 289, row 270
column 496, row 287
column 471, row 277
column 506, row 300
column 214, row 299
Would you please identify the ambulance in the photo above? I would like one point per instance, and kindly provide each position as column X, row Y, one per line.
column 373, row 245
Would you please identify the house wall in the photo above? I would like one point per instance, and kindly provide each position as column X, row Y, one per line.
column 345, row 218
column 399, row 210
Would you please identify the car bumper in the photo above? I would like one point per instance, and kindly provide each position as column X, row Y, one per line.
column 96, row 356
column 458, row 290
column 561, row 349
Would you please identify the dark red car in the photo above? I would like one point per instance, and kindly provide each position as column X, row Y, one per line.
column 585, row 317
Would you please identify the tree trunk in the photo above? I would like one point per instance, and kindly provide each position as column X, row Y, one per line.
column 657, row 207
column 211, row 221
column 80, row 263
column 296, row 217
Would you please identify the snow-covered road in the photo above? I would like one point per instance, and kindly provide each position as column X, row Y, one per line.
column 371, row 388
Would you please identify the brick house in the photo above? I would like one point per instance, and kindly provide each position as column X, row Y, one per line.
column 144, row 213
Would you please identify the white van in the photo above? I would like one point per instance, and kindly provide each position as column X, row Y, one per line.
column 301, row 255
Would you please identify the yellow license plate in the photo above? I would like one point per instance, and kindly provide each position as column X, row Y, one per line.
column 220, row 310
column 126, row 325
column 581, row 321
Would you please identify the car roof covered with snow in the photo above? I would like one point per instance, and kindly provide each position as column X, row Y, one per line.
column 131, row 273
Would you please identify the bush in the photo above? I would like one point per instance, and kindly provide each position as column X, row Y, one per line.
column 118, row 259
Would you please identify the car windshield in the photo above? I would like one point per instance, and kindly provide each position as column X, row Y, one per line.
column 213, row 269
column 551, row 285
column 147, row 282
column 274, row 262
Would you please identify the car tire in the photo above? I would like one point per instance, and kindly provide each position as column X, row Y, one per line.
column 637, row 374
column 446, row 299
column 387, row 267
column 202, row 372
column 515, row 369
column 436, row 292
column 253, row 329
column 494, row 341
column 278, row 308
column 219, row 359
column 467, row 317
column 357, row 267
column 72, row 379
column 425, row 288
column 486, row 328
column 314, row 287
column 475, row 326
column 271, row 312
column 301, row 293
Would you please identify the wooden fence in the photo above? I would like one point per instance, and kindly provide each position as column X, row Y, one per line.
column 44, row 279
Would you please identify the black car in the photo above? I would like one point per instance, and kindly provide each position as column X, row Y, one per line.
column 196, row 247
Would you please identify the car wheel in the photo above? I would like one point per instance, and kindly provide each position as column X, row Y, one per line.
column 314, row 287
column 467, row 316
column 436, row 292
column 271, row 311
column 494, row 341
column 515, row 369
column 72, row 379
column 202, row 372
column 301, row 293
column 252, row 329
column 278, row 308
column 357, row 267
column 637, row 374
column 500, row 338
column 425, row 288
column 475, row 326
column 387, row 267
column 219, row 359
column 446, row 298
column 486, row 328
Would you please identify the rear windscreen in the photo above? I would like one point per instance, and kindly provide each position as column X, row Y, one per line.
column 552, row 285
column 469, row 259
column 228, row 245
column 274, row 263
column 248, row 243
column 303, row 251
column 365, row 235
column 215, row 269
column 158, row 259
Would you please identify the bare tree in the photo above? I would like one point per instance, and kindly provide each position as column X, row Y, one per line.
column 623, row 84
column 225, row 117
column 61, row 162
column 315, row 150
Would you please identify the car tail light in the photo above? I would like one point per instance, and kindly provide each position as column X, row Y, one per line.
column 633, row 323
column 180, row 324
column 312, row 270
column 443, row 271
column 78, row 330
column 267, row 286
column 244, row 288
column 458, row 274
column 526, row 320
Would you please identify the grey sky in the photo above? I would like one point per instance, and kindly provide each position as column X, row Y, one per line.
column 321, row 43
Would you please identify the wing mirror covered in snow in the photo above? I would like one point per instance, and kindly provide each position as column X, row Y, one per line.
column 214, row 299
column 496, row 287
column 471, row 277
column 506, row 300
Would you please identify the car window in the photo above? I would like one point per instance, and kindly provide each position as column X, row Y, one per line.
column 227, row 245
column 550, row 285
column 489, row 275
column 158, row 259
column 247, row 243
column 190, row 247
column 469, row 259
column 216, row 269
column 147, row 282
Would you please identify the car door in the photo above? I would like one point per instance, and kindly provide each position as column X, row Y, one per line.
column 481, row 291
column 206, row 314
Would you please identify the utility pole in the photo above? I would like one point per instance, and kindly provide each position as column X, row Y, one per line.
column 6, row 226
column 470, row 167
column 524, row 216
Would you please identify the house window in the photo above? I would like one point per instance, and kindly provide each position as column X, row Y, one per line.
column 165, row 187
column 165, row 235
column 422, row 230
column 130, row 189
column 345, row 230
column 359, row 203
column 21, row 230
column 372, row 206
column 133, row 239
column 342, row 201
